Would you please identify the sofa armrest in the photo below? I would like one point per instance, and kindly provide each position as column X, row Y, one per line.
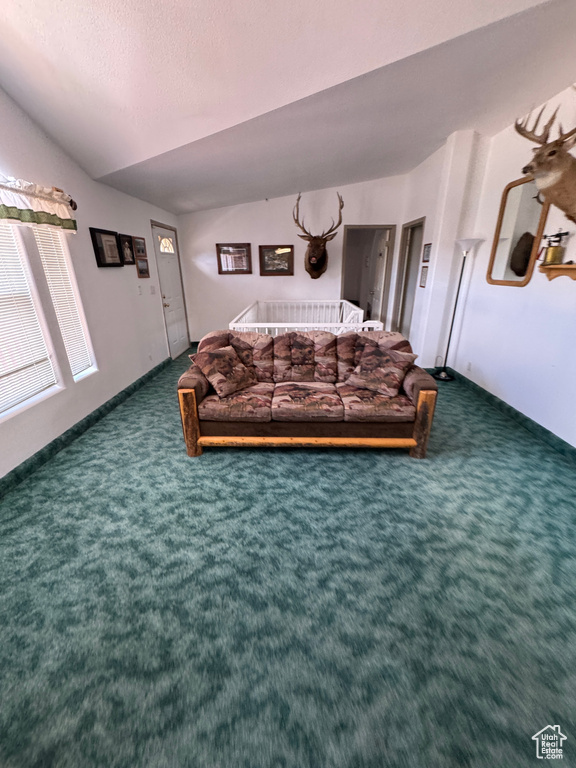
column 194, row 379
column 417, row 380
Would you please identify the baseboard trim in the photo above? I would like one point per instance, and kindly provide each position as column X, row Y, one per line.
column 552, row 440
column 19, row 473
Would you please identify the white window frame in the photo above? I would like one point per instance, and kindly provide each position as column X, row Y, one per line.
column 44, row 329
column 42, row 301
column 93, row 368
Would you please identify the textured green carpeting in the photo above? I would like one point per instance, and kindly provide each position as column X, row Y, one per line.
column 295, row 609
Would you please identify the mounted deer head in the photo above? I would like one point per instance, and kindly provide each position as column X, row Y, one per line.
column 316, row 259
column 553, row 167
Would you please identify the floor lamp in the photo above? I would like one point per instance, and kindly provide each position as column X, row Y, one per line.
column 466, row 244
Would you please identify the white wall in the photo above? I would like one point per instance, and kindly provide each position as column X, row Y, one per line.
column 437, row 190
column 520, row 343
column 421, row 196
column 213, row 300
column 516, row 342
column 442, row 189
column 127, row 329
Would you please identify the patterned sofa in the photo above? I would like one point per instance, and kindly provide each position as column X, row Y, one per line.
column 302, row 389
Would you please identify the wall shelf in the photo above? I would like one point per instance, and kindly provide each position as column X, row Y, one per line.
column 558, row 270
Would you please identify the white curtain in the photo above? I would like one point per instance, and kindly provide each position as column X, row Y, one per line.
column 28, row 203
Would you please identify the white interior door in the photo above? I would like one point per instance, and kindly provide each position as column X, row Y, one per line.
column 168, row 261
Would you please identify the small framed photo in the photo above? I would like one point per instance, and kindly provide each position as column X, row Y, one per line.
column 423, row 277
column 234, row 258
column 139, row 246
column 276, row 259
column 106, row 246
column 127, row 249
column 142, row 267
column 426, row 252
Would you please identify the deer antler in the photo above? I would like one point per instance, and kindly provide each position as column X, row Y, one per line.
column 296, row 216
column 530, row 133
column 563, row 136
column 334, row 227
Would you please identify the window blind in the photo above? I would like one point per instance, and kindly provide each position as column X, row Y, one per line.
column 62, row 292
column 25, row 365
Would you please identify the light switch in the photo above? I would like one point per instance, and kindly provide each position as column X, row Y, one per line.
column 152, row 290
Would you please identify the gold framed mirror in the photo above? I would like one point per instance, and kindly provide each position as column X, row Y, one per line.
column 519, row 230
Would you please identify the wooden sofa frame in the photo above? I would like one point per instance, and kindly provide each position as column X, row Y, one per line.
column 413, row 435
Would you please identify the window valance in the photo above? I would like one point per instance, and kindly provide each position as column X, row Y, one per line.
column 28, row 203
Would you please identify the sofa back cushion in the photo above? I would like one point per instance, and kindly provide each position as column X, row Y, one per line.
column 350, row 347
column 224, row 370
column 305, row 356
column 255, row 350
column 302, row 355
column 381, row 370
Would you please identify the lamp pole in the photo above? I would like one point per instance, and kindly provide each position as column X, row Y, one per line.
column 466, row 244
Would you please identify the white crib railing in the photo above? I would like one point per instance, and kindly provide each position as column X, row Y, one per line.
column 275, row 317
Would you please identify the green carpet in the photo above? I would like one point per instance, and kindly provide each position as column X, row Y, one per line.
column 288, row 609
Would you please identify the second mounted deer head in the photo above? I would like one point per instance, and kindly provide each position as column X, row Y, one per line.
column 553, row 167
column 316, row 259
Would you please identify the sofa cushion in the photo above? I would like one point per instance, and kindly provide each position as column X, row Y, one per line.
column 415, row 381
column 255, row 350
column 250, row 404
column 306, row 401
column 194, row 379
column 366, row 405
column 224, row 370
column 381, row 370
column 351, row 345
column 305, row 356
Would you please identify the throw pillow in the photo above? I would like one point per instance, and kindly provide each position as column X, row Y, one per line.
column 381, row 370
column 225, row 371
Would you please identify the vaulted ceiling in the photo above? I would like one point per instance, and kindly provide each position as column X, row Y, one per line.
column 200, row 104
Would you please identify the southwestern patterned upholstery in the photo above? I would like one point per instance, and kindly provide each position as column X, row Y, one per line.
column 250, row 404
column 351, row 345
column 256, row 350
column 224, row 370
column 313, row 377
column 366, row 405
column 305, row 356
column 416, row 380
column 381, row 370
column 194, row 379
column 306, row 401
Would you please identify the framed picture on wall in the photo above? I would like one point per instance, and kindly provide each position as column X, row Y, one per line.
column 276, row 259
column 127, row 249
column 139, row 245
column 234, row 258
column 423, row 277
column 142, row 267
column 426, row 252
column 106, row 246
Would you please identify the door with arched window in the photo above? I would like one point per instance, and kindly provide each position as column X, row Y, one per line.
column 168, row 261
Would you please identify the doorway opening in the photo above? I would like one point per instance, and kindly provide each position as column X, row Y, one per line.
column 171, row 288
column 408, row 269
column 367, row 267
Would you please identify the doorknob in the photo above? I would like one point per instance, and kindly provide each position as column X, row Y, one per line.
column 165, row 305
